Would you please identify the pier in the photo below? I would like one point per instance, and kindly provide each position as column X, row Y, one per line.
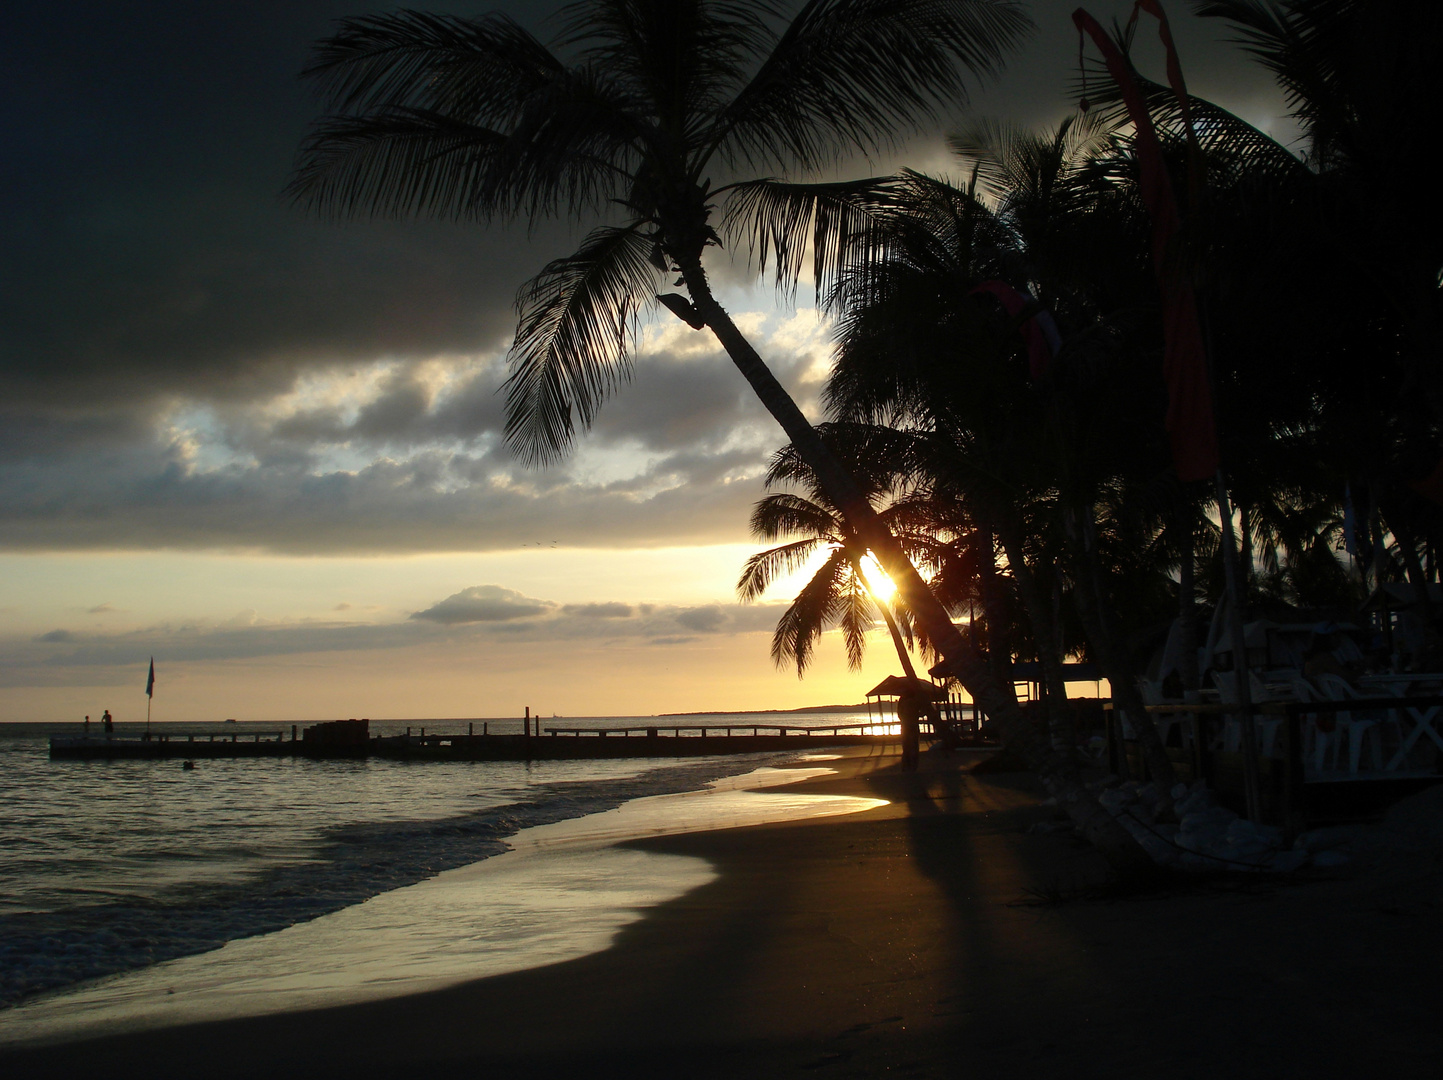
column 352, row 739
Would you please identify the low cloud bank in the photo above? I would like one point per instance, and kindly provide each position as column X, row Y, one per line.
column 483, row 603
column 472, row 616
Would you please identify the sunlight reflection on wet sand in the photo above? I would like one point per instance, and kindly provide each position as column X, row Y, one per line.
column 563, row 892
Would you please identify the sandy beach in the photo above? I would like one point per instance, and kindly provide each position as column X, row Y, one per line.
column 933, row 936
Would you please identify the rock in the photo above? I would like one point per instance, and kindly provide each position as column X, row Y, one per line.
column 1250, row 833
column 1179, row 792
column 1114, row 799
column 1194, row 800
column 1285, row 862
column 1161, row 852
column 1145, row 812
column 1245, row 856
column 1325, row 859
column 1328, row 838
column 1203, row 830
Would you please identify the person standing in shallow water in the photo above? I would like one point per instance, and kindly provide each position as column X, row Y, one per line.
column 107, row 722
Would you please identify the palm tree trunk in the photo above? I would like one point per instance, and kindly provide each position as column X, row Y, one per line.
column 1089, row 597
column 896, row 633
column 1059, row 717
column 1413, row 567
column 1057, row 771
column 1187, row 607
column 999, row 646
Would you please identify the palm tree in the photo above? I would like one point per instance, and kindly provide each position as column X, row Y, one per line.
column 838, row 592
column 477, row 119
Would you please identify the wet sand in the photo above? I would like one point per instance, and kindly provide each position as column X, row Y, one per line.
column 920, row 939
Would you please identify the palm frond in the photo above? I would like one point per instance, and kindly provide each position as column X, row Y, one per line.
column 780, row 222
column 765, row 567
column 570, row 351
column 859, row 74
column 684, row 57
column 876, row 457
column 857, row 618
column 1301, row 44
column 1013, row 164
column 783, row 514
column 480, row 69
column 460, row 118
column 1219, row 133
column 395, row 162
column 815, row 608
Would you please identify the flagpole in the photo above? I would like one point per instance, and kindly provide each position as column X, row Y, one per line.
column 1242, row 670
column 149, row 696
column 1186, row 356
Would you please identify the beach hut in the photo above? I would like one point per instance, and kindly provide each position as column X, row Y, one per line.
column 891, row 690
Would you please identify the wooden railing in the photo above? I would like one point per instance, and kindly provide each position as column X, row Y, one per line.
column 680, row 731
column 1290, row 784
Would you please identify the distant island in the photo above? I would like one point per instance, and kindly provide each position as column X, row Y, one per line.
column 769, row 712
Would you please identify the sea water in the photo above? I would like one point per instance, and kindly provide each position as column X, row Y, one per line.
column 109, row 866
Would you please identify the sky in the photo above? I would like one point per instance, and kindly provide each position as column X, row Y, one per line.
column 265, row 450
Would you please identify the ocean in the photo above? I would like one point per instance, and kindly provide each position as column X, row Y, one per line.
column 108, row 867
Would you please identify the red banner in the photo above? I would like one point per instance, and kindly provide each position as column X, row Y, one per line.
column 1190, row 422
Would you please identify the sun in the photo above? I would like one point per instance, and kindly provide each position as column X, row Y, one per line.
column 877, row 580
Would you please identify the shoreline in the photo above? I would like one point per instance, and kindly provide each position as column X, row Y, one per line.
column 560, row 890
column 926, row 937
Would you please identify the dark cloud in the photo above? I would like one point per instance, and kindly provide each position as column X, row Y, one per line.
column 148, row 250
column 599, row 611
column 483, row 603
column 672, row 403
column 57, row 636
column 100, row 609
column 704, row 620
column 435, row 500
column 151, row 268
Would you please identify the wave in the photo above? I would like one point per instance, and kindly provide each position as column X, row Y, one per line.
column 41, row 951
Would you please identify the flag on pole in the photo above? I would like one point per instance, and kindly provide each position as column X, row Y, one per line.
column 150, row 682
column 1190, row 423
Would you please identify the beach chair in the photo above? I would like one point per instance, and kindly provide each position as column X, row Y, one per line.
column 1350, row 728
column 1266, row 725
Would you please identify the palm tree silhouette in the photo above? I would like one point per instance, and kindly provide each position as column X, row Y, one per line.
column 838, row 592
column 477, row 119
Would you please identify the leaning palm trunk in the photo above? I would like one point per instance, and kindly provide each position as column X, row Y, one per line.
column 1057, row 770
column 896, row 633
column 907, row 719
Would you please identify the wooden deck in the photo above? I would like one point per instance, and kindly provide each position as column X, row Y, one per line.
column 552, row 744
